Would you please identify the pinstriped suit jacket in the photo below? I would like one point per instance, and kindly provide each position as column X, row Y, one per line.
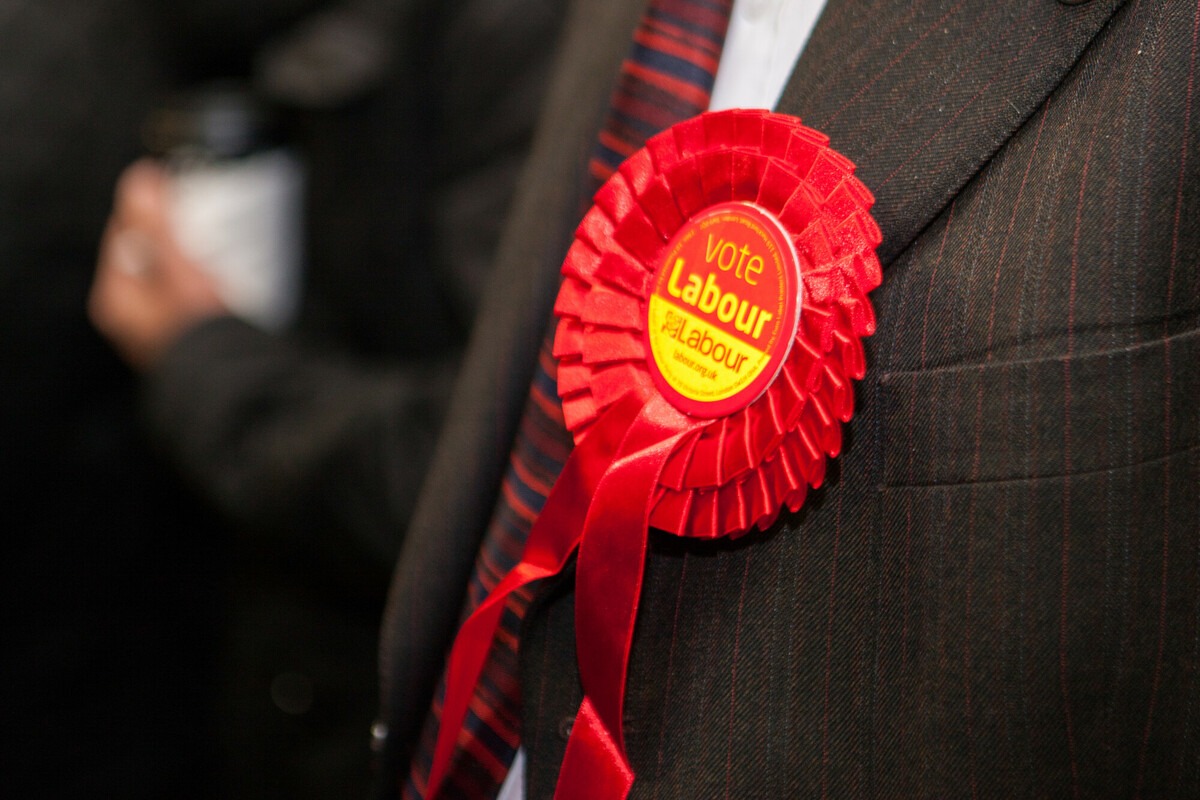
column 997, row 591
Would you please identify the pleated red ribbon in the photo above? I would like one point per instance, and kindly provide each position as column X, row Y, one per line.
column 639, row 460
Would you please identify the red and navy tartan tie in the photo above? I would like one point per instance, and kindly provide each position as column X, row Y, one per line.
column 667, row 78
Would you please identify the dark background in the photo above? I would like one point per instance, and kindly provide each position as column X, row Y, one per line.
column 149, row 650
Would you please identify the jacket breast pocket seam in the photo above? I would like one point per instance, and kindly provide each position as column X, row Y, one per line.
column 1041, row 418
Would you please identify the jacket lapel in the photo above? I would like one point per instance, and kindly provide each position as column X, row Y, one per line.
column 459, row 492
column 920, row 95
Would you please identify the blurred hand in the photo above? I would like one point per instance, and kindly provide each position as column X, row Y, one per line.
column 146, row 291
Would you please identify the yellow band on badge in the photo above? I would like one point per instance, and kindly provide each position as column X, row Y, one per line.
column 723, row 311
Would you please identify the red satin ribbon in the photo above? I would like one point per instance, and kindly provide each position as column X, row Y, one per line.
column 594, row 767
column 637, row 458
column 608, row 586
column 600, row 503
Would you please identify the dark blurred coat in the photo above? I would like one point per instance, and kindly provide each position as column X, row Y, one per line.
column 409, row 188
column 317, row 442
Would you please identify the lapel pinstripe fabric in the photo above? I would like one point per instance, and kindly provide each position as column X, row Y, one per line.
column 958, row 612
column 920, row 95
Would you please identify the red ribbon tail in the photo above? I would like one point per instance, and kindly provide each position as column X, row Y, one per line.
column 608, row 584
column 466, row 663
column 592, row 752
column 551, row 541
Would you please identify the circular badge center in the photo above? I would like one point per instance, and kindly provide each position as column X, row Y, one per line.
column 723, row 310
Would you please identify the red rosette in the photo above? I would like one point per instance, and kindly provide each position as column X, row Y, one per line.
column 736, row 471
column 708, row 456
